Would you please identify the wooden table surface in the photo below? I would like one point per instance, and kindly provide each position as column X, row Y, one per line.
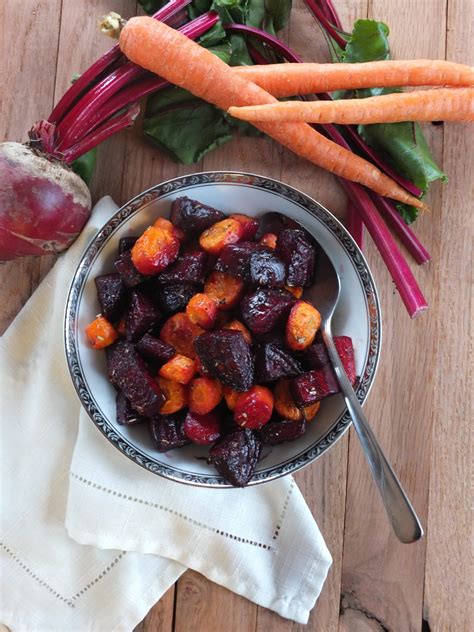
column 419, row 406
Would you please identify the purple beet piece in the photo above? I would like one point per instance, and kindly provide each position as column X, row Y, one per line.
column 276, row 432
column 167, row 432
column 126, row 243
column 265, row 308
column 273, row 363
column 130, row 275
column 155, row 349
column 126, row 415
column 226, row 355
column 174, row 298
column 274, row 223
column 141, row 315
column 236, row 455
column 267, row 269
column 188, row 268
column 127, row 370
column 112, row 295
column 313, row 386
column 235, row 259
column 316, row 356
column 296, row 250
column 192, row 216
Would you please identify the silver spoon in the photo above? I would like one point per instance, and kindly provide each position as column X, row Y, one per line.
column 324, row 295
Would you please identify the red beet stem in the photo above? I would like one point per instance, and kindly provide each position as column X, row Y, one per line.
column 318, row 14
column 72, row 95
column 401, row 228
column 101, row 133
column 331, row 13
column 354, row 224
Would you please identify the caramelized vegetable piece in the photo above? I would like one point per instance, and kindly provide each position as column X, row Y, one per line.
column 267, row 269
column 175, row 394
column 296, row 250
column 167, row 432
column 192, row 216
column 236, row 325
column 269, row 240
column 316, row 356
column 314, row 386
column 174, row 298
column 250, row 225
column 112, row 295
column 155, row 349
column 277, row 432
column 254, row 408
column 273, row 362
column 188, row 268
column 226, row 355
column 141, row 315
column 265, row 308
column 226, row 290
column 236, row 455
column 126, row 243
column 101, row 333
column 179, row 369
column 130, row 275
column 204, row 395
column 154, row 250
column 230, row 397
column 285, row 404
column 302, row 325
column 202, row 310
column 296, row 291
column 200, row 369
column 202, row 429
column 219, row 235
column 126, row 415
column 165, row 224
column 235, row 259
column 180, row 332
column 128, row 372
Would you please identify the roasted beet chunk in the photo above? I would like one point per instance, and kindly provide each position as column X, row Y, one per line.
column 265, row 308
column 126, row 415
column 112, row 295
column 141, row 315
column 174, row 298
column 155, row 349
column 126, row 243
column 192, row 216
column 130, row 275
column 167, row 432
column 316, row 356
column 189, row 268
column 236, row 455
column 267, row 269
column 314, row 386
column 296, row 250
column 235, row 259
column 274, row 362
column 226, row 355
column 127, row 371
column 277, row 432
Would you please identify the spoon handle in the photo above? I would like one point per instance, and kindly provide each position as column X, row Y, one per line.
column 402, row 516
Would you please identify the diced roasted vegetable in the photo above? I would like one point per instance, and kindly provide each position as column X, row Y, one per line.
column 269, row 240
column 316, row 356
column 141, row 315
column 250, row 225
column 174, row 298
column 202, row 429
column 205, row 393
column 180, row 332
column 225, row 289
column 154, row 250
column 130, row 275
column 277, row 432
column 167, row 431
column 179, row 369
column 175, row 394
column 230, row 397
column 214, row 239
column 273, row 362
column 267, row 269
column 112, row 295
column 101, row 333
column 254, row 408
column 296, row 250
column 190, row 267
column 296, row 291
column 236, row 455
column 155, row 349
column 314, row 386
column 235, row 259
column 236, row 325
column 126, row 243
column 202, row 310
column 286, row 406
column 265, row 308
column 126, row 415
column 301, row 326
column 192, row 216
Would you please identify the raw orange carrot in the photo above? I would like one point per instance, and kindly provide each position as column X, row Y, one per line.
column 442, row 104
column 286, row 80
column 171, row 55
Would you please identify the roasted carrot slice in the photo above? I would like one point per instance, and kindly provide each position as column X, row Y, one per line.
column 101, row 333
column 286, row 407
column 225, row 289
column 202, row 310
column 302, row 325
column 175, row 394
column 254, row 408
column 231, row 397
column 221, row 234
column 238, row 326
column 269, row 240
column 179, row 332
column 179, row 369
column 204, row 395
column 154, row 250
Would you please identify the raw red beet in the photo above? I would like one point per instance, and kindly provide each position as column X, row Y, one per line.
column 316, row 356
column 130, row 275
column 155, row 349
column 112, row 295
column 273, row 362
column 265, row 308
column 254, row 408
column 167, row 431
column 277, row 432
column 202, row 429
column 126, row 415
column 141, row 315
column 126, row 243
column 174, row 298
column 192, row 216
column 128, row 372
column 267, row 269
column 226, row 355
column 235, row 259
column 236, row 455
column 189, row 268
column 43, row 203
column 296, row 250
column 314, row 386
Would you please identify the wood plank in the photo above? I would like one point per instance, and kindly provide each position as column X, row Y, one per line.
column 383, row 579
column 448, row 574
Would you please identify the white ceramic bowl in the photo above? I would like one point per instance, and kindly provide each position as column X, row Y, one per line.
column 357, row 315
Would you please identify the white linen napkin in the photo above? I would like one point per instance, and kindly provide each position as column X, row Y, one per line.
column 89, row 540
